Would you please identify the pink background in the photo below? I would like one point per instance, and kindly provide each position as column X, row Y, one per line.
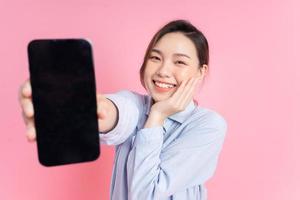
column 254, row 83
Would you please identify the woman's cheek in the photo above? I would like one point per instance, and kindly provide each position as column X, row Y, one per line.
column 183, row 75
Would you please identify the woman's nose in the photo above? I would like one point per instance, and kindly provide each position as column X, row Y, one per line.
column 164, row 70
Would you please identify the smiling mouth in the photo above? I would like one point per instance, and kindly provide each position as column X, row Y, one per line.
column 163, row 87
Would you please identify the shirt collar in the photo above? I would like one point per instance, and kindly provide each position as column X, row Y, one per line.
column 179, row 116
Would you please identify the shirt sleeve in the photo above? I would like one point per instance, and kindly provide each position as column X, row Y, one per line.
column 190, row 160
column 128, row 115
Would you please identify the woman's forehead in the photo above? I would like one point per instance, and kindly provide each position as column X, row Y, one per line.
column 174, row 53
column 175, row 43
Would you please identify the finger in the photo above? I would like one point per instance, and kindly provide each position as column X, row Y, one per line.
column 180, row 89
column 30, row 128
column 190, row 87
column 27, row 107
column 31, row 134
column 186, row 90
column 189, row 92
column 101, row 112
column 100, row 105
column 100, row 124
column 26, row 89
column 31, row 131
column 186, row 94
column 25, row 118
column 100, row 97
column 29, row 121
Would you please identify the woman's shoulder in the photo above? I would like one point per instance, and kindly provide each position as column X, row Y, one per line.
column 204, row 126
column 204, row 117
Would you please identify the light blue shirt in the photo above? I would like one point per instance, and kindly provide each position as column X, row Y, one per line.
column 166, row 162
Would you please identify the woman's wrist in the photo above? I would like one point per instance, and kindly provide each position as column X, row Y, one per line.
column 154, row 119
column 115, row 116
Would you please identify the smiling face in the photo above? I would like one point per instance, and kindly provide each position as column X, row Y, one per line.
column 172, row 60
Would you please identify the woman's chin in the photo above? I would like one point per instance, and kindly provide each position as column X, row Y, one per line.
column 160, row 97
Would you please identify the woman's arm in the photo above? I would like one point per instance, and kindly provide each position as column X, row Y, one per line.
column 128, row 106
column 113, row 111
column 190, row 160
column 107, row 114
column 106, row 110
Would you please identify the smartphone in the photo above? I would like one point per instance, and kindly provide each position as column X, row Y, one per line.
column 64, row 99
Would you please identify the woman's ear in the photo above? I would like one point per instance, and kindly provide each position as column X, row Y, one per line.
column 202, row 71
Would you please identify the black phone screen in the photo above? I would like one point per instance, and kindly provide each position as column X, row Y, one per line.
column 64, row 99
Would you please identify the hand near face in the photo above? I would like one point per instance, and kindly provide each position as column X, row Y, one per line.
column 178, row 101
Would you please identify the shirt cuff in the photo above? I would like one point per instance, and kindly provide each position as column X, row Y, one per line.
column 124, row 126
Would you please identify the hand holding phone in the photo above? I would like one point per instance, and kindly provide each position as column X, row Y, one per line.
column 106, row 110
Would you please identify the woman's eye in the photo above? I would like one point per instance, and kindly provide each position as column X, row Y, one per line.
column 154, row 58
column 181, row 62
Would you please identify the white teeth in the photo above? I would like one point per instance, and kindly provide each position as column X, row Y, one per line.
column 164, row 85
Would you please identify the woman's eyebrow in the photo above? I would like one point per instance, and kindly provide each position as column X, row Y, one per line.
column 156, row 50
column 176, row 54
column 181, row 54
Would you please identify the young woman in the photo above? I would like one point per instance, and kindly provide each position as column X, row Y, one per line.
column 167, row 147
